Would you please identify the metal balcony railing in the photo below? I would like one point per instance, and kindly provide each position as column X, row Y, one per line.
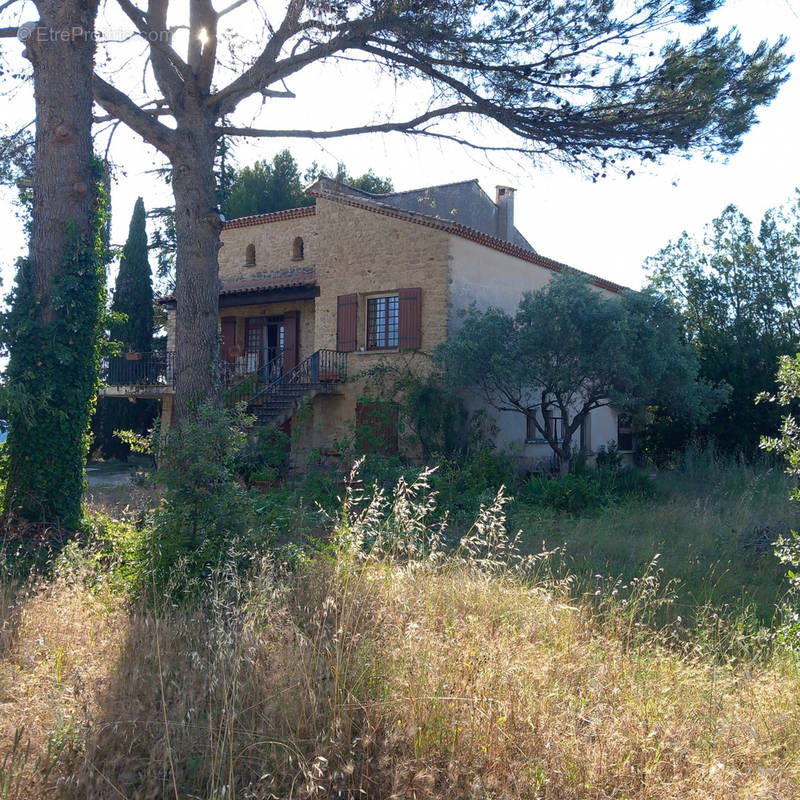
column 156, row 368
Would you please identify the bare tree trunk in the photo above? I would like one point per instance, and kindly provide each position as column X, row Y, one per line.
column 63, row 190
column 47, row 371
column 197, row 227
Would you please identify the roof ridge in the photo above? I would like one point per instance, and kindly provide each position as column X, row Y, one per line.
column 472, row 234
column 435, row 186
column 270, row 216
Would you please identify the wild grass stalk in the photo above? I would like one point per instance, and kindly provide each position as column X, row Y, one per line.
column 386, row 667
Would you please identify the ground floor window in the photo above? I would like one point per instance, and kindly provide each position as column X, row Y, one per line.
column 625, row 433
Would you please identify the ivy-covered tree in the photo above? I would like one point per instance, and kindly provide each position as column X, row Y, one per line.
column 568, row 351
column 132, row 329
column 54, row 328
column 738, row 294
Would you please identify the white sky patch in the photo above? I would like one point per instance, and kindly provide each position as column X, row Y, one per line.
column 607, row 228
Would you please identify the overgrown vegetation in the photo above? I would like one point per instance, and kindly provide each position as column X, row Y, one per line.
column 388, row 665
column 736, row 292
column 568, row 350
column 52, row 377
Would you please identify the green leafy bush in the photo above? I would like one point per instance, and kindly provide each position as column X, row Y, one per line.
column 576, row 493
column 206, row 517
column 264, row 455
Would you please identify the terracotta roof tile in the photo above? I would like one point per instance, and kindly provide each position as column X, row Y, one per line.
column 277, row 279
column 276, row 216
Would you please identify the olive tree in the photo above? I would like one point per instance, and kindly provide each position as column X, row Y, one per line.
column 570, row 350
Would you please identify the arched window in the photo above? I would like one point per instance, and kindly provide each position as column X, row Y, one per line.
column 297, row 249
column 250, row 256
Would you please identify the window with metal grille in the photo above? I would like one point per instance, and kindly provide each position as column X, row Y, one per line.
column 383, row 322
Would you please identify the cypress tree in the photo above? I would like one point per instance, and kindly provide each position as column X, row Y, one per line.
column 133, row 292
column 133, row 329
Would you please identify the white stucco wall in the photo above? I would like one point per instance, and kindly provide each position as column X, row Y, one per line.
column 488, row 277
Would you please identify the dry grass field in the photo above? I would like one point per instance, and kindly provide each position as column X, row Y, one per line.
column 386, row 668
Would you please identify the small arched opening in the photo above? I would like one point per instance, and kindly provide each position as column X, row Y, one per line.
column 297, row 249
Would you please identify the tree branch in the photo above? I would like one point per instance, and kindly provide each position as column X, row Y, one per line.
column 202, row 54
column 166, row 62
column 8, row 33
column 161, row 109
column 232, row 7
column 267, row 69
column 120, row 106
column 384, row 127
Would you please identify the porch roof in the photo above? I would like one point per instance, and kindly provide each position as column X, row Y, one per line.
column 234, row 292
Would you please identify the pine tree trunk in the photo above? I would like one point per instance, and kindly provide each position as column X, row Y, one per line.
column 197, row 228
column 48, row 369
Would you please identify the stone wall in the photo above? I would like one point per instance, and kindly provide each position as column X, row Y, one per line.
column 273, row 242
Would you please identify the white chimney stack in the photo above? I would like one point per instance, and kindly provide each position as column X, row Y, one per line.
column 505, row 213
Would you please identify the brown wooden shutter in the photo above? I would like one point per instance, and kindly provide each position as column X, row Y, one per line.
column 228, row 325
column 291, row 339
column 410, row 322
column 346, row 323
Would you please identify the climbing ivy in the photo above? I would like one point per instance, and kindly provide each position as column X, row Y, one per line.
column 52, row 377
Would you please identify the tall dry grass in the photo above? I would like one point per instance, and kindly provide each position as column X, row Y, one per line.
column 385, row 669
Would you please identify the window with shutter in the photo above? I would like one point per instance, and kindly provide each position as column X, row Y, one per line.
column 347, row 323
column 410, row 319
column 228, row 325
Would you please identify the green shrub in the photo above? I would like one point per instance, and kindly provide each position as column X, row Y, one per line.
column 465, row 483
column 608, row 456
column 205, row 518
column 264, row 455
column 576, row 493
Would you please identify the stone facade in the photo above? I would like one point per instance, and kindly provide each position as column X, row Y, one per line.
column 346, row 245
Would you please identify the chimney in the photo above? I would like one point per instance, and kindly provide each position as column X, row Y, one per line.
column 505, row 213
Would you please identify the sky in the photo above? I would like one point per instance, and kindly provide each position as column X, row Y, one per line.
column 607, row 228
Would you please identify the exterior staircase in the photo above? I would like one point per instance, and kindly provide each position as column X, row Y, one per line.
column 322, row 372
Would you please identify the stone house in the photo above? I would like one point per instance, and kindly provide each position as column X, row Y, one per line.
column 311, row 295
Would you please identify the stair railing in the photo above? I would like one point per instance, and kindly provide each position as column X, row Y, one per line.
column 252, row 382
column 322, row 368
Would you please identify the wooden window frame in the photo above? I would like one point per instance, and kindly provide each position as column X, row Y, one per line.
column 370, row 300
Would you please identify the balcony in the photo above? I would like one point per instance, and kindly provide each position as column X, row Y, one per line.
column 138, row 374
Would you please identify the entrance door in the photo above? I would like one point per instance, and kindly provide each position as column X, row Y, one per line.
column 265, row 345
